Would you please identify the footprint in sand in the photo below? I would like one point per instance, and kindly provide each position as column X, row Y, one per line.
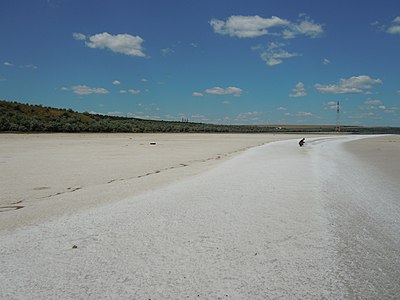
column 41, row 188
column 10, row 207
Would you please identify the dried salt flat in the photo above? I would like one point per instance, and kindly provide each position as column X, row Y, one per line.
column 277, row 221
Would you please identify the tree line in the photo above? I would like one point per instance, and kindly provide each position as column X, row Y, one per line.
column 19, row 117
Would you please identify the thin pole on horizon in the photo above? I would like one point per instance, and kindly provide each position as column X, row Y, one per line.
column 337, row 128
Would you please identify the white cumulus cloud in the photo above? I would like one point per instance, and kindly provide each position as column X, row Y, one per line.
column 85, row 90
column 394, row 28
column 130, row 91
column 299, row 90
column 352, row 85
column 79, row 36
column 197, row 94
column 255, row 26
column 305, row 27
column 116, row 82
column 246, row 26
column 274, row 53
column 134, row 91
column 228, row 91
column 120, row 43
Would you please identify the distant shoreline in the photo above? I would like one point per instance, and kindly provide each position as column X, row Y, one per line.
column 18, row 117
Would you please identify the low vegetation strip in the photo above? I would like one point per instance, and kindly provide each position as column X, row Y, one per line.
column 19, row 117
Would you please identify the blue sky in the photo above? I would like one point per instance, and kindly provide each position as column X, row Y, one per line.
column 219, row 61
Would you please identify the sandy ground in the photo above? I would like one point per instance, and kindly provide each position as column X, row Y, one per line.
column 363, row 201
column 47, row 175
column 381, row 153
column 276, row 221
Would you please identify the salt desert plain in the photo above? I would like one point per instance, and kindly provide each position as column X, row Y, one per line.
column 53, row 174
column 199, row 216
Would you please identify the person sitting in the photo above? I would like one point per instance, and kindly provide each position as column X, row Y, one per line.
column 302, row 141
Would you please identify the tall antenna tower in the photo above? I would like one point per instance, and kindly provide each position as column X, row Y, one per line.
column 337, row 128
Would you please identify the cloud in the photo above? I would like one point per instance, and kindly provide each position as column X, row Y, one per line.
column 167, row 51
column 197, row 94
column 143, row 80
column 274, row 54
column 120, row 43
column 246, row 26
column 116, row 82
column 256, row 26
column 134, row 92
column 29, row 66
column 281, row 108
column 79, row 36
column 226, row 102
column 228, row 91
column 116, row 114
column 326, row 61
column 299, row 114
column 85, row 90
column 352, row 85
column 298, row 91
column 391, row 109
column 304, row 114
column 149, row 108
column 249, row 116
column 141, row 115
column 305, row 27
column 369, row 115
column 331, row 105
column 373, row 102
column 130, row 91
column 394, row 28
column 200, row 118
